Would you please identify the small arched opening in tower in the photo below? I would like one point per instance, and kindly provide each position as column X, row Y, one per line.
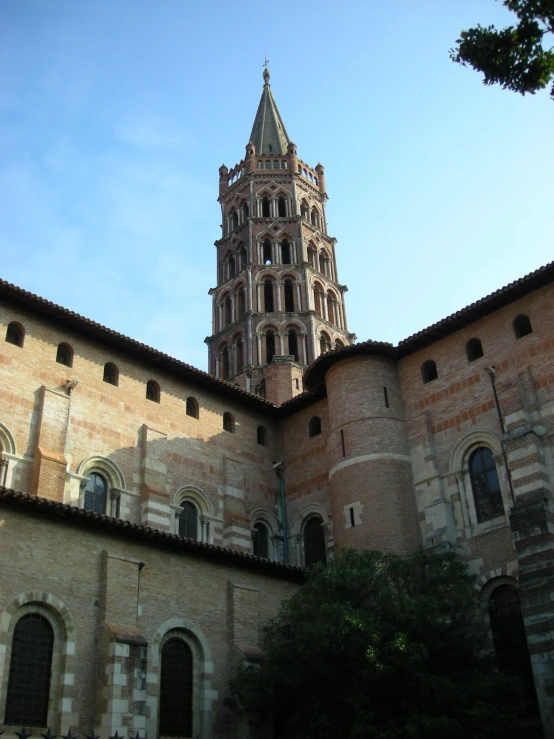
column 239, row 352
column 240, row 301
column 331, row 308
column 269, row 346
column 268, row 296
column 281, row 207
column 293, row 344
column 289, row 296
column 265, row 208
column 285, row 252
column 267, row 257
column 225, row 363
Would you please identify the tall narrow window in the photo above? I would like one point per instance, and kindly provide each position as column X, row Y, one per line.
column 192, row 407
column 239, row 352
column 485, row 485
column 241, row 302
column 317, row 299
column 96, row 494
column 111, row 374
column 188, row 520
column 314, row 542
column 246, row 210
column 289, row 296
column 269, row 346
column 331, row 308
column 324, row 343
column 285, row 252
column 228, row 423
column 242, row 258
column 268, row 296
column 260, row 541
column 522, row 326
column 281, row 205
column 176, row 689
column 64, row 355
column 293, row 344
column 474, row 350
column 429, row 371
column 225, row 363
column 267, row 255
column 228, row 314
column 14, row 334
column 265, row 208
column 30, row 672
column 232, row 266
column 234, row 218
column 153, row 391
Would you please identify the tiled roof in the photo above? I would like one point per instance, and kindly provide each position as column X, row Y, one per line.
column 315, row 374
column 144, row 534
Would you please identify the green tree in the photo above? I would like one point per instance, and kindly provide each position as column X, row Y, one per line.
column 379, row 646
column 513, row 57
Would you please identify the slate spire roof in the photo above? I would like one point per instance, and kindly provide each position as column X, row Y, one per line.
column 269, row 134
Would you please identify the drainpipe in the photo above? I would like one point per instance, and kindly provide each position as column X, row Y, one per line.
column 490, row 370
column 280, row 472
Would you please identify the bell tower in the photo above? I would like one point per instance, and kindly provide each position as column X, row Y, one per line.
column 278, row 303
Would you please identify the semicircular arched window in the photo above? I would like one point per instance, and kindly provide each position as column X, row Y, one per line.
column 228, row 422
column 429, row 371
column 28, row 691
column 176, row 682
column 314, row 426
column 192, row 407
column 260, row 540
column 64, row 355
column 153, row 391
column 522, row 326
column 111, row 375
column 315, row 549
column 188, row 520
column 15, row 334
column 485, row 485
column 474, row 350
column 96, row 494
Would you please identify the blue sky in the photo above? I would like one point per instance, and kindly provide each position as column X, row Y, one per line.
column 115, row 117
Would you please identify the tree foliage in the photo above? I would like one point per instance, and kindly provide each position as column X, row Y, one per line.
column 513, row 57
column 379, row 646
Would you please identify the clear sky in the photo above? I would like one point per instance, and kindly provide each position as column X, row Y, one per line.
column 116, row 115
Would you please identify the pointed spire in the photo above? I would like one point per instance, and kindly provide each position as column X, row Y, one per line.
column 269, row 134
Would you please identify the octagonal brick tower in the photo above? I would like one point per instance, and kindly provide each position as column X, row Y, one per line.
column 278, row 303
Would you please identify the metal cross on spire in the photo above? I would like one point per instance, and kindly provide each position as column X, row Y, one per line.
column 266, row 61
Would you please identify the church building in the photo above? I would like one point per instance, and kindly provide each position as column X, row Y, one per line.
column 153, row 516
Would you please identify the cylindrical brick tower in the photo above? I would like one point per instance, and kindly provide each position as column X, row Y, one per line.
column 370, row 475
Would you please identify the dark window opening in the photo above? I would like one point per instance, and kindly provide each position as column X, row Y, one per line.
column 267, row 255
column 485, row 485
column 297, row 384
column 330, row 308
column 386, row 397
column 351, row 510
column 265, row 208
column 260, row 541
column 293, row 346
column 314, row 542
column 269, row 346
column 110, row 374
column 239, row 351
column 243, row 258
column 234, row 218
column 152, row 391
column 241, row 302
column 285, row 252
column 227, row 309
column 289, row 296
column 28, row 691
column 314, row 427
column 281, row 207
column 228, row 423
column 176, row 689
column 509, row 638
column 96, row 494
column 429, row 371
column 522, row 326
column 268, row 296
column 342, row 444
column 225, row 363
column 246, row 210
column 324, row 344
column 188, row 520
column 232, row 266
column 474, row 350
column 64, row 355
column 14, row 334
column 192, row 407
column 261, row 436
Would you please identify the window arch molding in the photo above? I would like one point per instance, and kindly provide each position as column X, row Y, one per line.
column 15, row 334
column 7, row 441
column 271, row 522
column 106, row 469
column 204, row 508
column 298, row 525
column 459, row 465
column 63, row 660
column 202, row 664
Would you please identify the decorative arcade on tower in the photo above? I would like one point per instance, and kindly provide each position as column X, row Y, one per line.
column 278, row 303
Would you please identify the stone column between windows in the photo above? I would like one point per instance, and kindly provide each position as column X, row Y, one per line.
column 323, row 301
column 220, row 316
column 249, row 287
column 249, row 339
column 344, row 318
column 231, row 361
column 250, row 256
column 278, row 254
column 273, row 252
column 304, row 347
column 233, row 316
column 309, row 291
column 312, row 336
column 278, row 284
column 298, row 296
column 217, row 365
column 259, row 347
column 258, row 207
column 281, row 343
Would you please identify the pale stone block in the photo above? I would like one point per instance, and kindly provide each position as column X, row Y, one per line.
column 70, row 648
column 68, row 678
column 67, row 704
